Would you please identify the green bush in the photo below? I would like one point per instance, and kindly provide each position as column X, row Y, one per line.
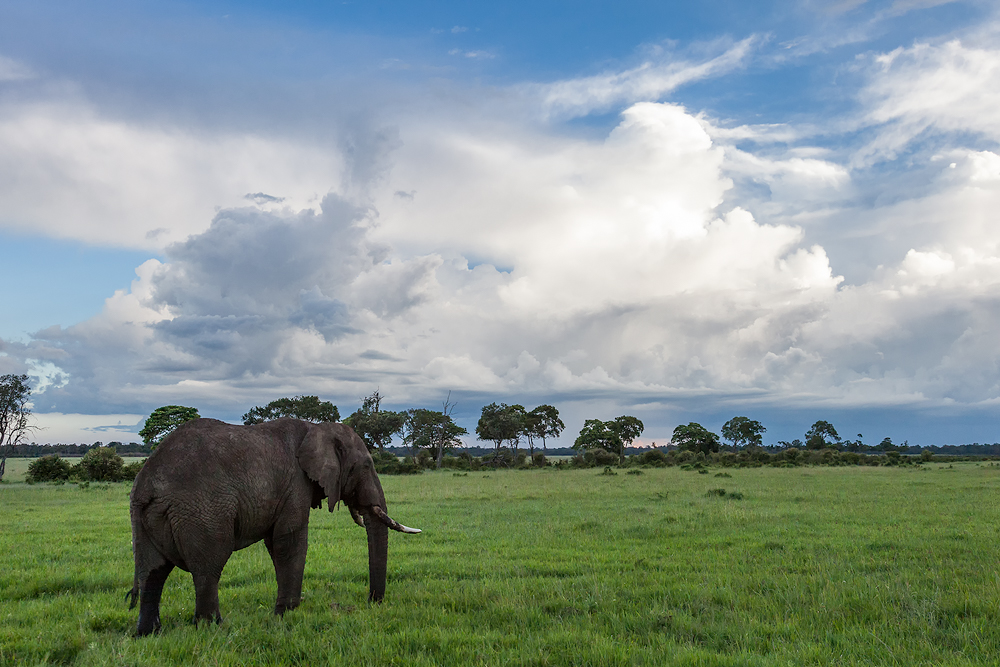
column 652, row 457
column 47, row 469
column 101, row 464
column 595, row 458
column 387, row 463
column 130, row 470
column 538, row 460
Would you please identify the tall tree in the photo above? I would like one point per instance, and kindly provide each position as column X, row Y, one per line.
column 501, row 423
column 695, row 438
column 307, row 408
column 375, row 425
column 598, row 434
column 431, row 430
column 14, row 413
column 542, row 422
column 162, row 422
column 627, row 428
column 821, row 434
column 743, row 432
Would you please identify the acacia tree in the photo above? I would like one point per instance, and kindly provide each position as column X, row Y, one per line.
column 375, row 425
column 14, row 413
column 614, row 435
column 307, row 408
column 743, row 432
column 821, row 434
column 695, row 438
column 542, row 422
column 501, row 423
column 162, row 422
column 627, row 428
column 431, row 430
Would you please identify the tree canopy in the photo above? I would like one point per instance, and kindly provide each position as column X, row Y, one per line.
column 162, row 422
column 501, row 423
column 375, row 425
column 307, row 408
column 695, row 438
column 542, row 422
column 743, row 432
column 821, row 434
column 431, row 430
column 14, row 413
column 614, row 435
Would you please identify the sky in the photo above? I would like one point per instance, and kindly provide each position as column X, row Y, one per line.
column 678, row 211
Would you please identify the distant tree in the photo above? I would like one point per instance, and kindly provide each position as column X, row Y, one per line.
column 542, row 422
column 597, row 434
column 743, row 432
column 501, row 423
column 375, row 425
column 162, row 422
column 694, row 437
column 306, row 408
column 794, row 444
column 627, row 428
column 432, row 430
column 887, row 445
column 820, row 435
column 14, row 413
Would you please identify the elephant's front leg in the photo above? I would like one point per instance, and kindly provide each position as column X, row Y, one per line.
column 288, row 553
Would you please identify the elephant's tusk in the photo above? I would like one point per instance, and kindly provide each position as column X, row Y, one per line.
column 356, row 515
column 392, row 523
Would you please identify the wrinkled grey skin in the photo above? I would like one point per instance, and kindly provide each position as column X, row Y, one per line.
column 212, row 488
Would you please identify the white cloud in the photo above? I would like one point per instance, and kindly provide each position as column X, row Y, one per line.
column 950, row 87
column 67, row 172
column 650, row 81
column 12, row 70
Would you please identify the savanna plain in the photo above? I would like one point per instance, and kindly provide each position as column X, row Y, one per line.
column 765, row 566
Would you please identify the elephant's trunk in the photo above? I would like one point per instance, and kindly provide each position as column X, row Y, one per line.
column 378, row 556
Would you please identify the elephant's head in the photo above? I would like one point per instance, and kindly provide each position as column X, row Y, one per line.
column 336, row 458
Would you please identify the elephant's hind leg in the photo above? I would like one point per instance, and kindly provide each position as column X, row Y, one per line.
column 149, row 600
column 288, row 553
column 206, row 597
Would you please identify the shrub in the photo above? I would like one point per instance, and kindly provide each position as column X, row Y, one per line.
column 608, row 471
column 387, row 463
column 456, row 462
column 130, row 470
column 101, row 464
column 792, row 455
column 47, row 469
column 539, row 460
column 652, row 457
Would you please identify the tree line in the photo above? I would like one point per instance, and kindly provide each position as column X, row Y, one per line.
column 431, row 437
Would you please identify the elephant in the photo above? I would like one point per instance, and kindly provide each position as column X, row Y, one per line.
column 211, row 488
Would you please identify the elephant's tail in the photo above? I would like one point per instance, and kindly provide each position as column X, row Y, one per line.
column 134, row 594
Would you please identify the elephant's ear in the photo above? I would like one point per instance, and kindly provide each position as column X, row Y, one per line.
column 319, row 459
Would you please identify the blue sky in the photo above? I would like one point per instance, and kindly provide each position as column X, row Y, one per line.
column 683, row 211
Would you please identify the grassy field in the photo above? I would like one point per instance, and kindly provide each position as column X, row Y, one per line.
column 811, row 566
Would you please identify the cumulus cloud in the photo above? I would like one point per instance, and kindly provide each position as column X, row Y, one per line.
column 671, row 257
column 68, row 172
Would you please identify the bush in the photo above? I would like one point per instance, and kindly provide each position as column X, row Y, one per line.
column 595, row 458
column 539, row 460
column 652, row 457
column 456, row 462
column 130, row 470
column 101, row 464
column 387, row 463
column 47, row 469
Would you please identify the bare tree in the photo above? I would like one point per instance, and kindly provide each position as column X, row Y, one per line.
column 14, row 413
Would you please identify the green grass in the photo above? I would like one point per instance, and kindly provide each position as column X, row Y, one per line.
column 803, row 566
